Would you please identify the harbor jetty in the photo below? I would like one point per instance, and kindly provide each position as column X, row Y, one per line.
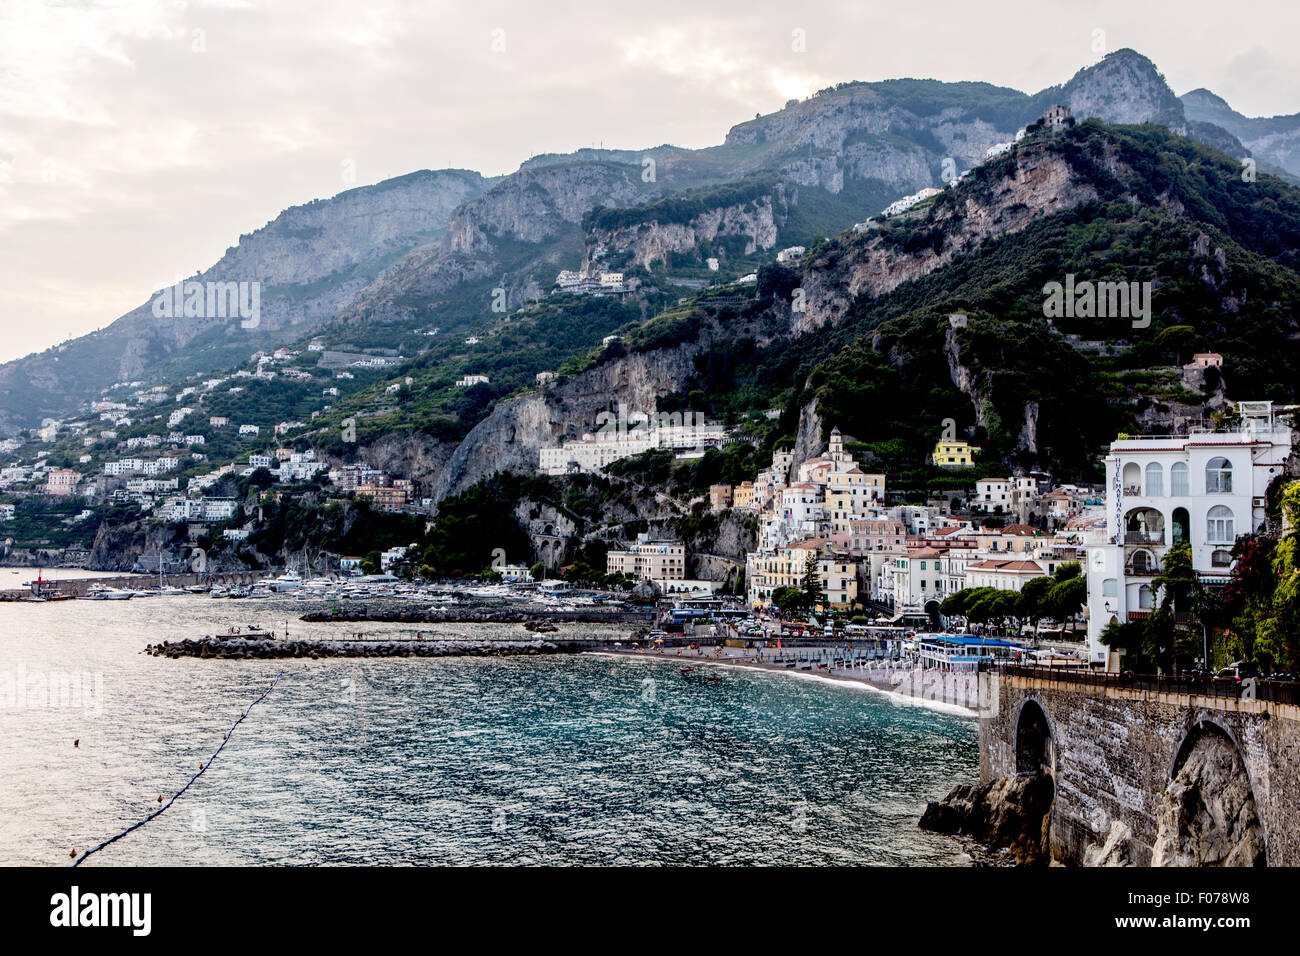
column 462, row 614
column 267, row 647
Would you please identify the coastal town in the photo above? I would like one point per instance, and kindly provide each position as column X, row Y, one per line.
column 902, row 473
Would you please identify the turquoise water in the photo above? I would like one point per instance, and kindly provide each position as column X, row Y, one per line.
column 557, row 760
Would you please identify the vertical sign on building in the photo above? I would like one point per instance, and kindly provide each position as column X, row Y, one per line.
column 1117, row 489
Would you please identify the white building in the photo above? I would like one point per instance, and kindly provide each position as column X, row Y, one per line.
column 1204, row 488
column 598, row 451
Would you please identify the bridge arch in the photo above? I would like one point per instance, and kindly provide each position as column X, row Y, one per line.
column 1035, row 743
column 1210, row 814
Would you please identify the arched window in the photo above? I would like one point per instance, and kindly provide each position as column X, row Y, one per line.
column 1145, row 598
column 1218, row 477
column 1178, row 479
column 1132, row 478
column 1155, row 480
column 1219, row 526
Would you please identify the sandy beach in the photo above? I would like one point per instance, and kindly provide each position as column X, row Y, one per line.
column 948, row 692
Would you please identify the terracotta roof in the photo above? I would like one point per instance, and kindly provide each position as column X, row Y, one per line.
column 1005, row 566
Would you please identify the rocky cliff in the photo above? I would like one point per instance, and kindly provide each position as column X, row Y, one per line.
column 510, row 437
column 757, row 222
column 1030, row 183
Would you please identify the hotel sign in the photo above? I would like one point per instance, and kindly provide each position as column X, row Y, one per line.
column 1117, row 491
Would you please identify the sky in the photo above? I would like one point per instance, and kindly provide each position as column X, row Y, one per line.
column 139, row 139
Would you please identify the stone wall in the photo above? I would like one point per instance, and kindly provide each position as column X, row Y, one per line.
column 1113, row 752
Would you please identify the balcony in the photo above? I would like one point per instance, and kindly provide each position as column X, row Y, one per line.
column 1141, row 569
column 1143, row 538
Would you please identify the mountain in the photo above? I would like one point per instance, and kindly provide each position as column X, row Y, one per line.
column 311, row 260
column 371, row 267
column 1274, row 141
column 870, row 346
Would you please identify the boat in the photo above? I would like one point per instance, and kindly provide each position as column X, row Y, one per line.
column 687, row 670
column 98, row 592
column 289, row 581
column 219, row 592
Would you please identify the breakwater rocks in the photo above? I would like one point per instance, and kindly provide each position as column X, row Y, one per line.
column 477, row 615
column 1010, row 813
column 259, row 648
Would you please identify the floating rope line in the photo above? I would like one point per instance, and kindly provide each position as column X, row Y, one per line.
column 203, row 768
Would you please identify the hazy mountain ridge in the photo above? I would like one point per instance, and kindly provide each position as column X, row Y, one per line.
column 407, row 249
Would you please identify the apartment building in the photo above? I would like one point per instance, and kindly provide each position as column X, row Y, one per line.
column 1205, row 488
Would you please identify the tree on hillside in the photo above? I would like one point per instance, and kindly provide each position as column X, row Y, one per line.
column 1177, row 339
column 812, row 581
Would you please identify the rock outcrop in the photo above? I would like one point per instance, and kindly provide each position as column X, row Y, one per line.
column 1010, row 812
column 1036, row 181
column 1207, row 815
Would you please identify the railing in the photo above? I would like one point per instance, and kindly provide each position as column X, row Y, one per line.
column 1143, row 537
column 1278, row 692
column 1141, row 571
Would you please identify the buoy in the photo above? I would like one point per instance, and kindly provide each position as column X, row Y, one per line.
column 200, row 766
column 77, row 742
column 73, row 854
column 160, row 798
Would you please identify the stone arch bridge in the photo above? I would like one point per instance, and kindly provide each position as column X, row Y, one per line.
column 1149, row 771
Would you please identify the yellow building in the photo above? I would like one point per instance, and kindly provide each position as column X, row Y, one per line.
column 742, row 496
column 953, row 454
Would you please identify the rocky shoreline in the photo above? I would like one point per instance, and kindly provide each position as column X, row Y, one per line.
column 476, row 615
column 1008, row 813
column 235, row 647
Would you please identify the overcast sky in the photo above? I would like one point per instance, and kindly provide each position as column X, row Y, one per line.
column 139, row 139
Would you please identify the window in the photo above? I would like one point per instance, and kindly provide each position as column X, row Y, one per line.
column 1221, row 559
column 1219, row 529
column 1218, row 477
column 1109, row 587
column 1155, row 480
column 1132, row 478
column 1178, row 479
column 1145, row 601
